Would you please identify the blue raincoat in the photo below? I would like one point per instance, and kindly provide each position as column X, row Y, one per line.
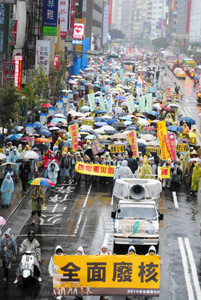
column 7, row 188
column 14, row 156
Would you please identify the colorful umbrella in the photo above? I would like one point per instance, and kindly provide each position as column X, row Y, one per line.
column 42, row 140
column 2, row 221
column 41, row 181
column 46, row 105
column 27, row 139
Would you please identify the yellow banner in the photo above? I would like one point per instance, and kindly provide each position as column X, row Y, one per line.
column 118, row 148
column 162, row 130
column 117, row 78
column 95, row 169
column 164, row 172
column 182, row 148
column 73, row 131
column 1, row 150
column 87, row 122
column 156, row 150
column 133, row 142
column 107, row 275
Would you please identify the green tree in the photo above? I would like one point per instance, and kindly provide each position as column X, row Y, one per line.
column 56, row 78
column 34, row 94
column 9, row 103
column 160, row 43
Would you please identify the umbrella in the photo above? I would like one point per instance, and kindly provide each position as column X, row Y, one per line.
column 100, row 124
column 37, row 125
column 42, row 140
column 30, row 154
column 21, row 160
column 188, row 120
column 147, row 137
column 65, row 144
column 100, row 130
column 197, row 159
column 54, row 128
column 44, row 132
column 99, row 119
column 2, row 221
column 143, row 121
column 19, row 128
column 86, row 128
column 27, row 139
column 169, row 109
column 60, row 116
column 89, row 137
column 13, row 166
column 85, row 108
column 155, row 113
column 125, row 118
column 2, row 156
column 127, row 123
column 41, row 181
column 173, row 105
column 150, row 128
column 13, row 137
column 174, row 128
column 62, row 120
column 41, row 147
column 46, row 105
column 119, row 136
column 109, row 128
column 111, row 121
column 119, row 125
column 52, row 124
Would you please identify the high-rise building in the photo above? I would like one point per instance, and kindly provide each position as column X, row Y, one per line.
column 183, row 20
column 117, row 14
column 140, row 18
column 155, row 16
column 195, row 22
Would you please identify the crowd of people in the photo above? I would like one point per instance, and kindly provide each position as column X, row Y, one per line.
column 56, row 160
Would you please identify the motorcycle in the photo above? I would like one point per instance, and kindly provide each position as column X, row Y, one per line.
column 27, row 266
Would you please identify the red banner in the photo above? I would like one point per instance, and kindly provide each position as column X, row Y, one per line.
column 110, row 13
column 18, row 71
column 56, row 62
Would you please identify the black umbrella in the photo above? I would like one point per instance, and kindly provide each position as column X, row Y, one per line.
column 21, row 160
column 41, row 147
column 119, row 124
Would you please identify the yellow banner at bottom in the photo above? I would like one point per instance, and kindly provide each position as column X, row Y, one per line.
column 107, row 275
column 95, row 169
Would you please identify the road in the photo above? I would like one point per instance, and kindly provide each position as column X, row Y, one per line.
column 80, row 215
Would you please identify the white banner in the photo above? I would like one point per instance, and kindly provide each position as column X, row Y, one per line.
column 63, row 14
column 43, row 55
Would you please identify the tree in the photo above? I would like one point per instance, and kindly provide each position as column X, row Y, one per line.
column 34, row 94
column 160, row 43
column 116, row 34
column 9, row 103
column 56, row 77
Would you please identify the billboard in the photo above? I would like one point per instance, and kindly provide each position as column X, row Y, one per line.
column 43, row 55
column 4, row 27
column 78, row 32
column 63, row 15
column 50, row 17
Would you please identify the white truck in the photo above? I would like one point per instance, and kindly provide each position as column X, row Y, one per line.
column 135, row 213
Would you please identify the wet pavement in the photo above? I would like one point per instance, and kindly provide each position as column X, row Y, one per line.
column 80, row 215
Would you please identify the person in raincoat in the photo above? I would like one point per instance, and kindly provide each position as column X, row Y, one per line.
column 124, row 171
column 196, row 175
column 80, row 251
column 152, row 252
column 104, row 250
column 146, row 169
column 52, row 172
column 7, row 188
column 32, row 245
column 14, row 156
column 8, row 251
column 52, row 268
column 37, row 200
column 131, row 250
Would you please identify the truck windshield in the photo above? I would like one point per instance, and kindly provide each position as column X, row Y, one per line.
column 141, row 212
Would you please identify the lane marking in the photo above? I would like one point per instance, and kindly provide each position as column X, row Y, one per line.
column 193, row 268
column 55, row 207
column 174, row 194
column 82, row 211
column 49, row 235
column 106, row 239
column 186, row 270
